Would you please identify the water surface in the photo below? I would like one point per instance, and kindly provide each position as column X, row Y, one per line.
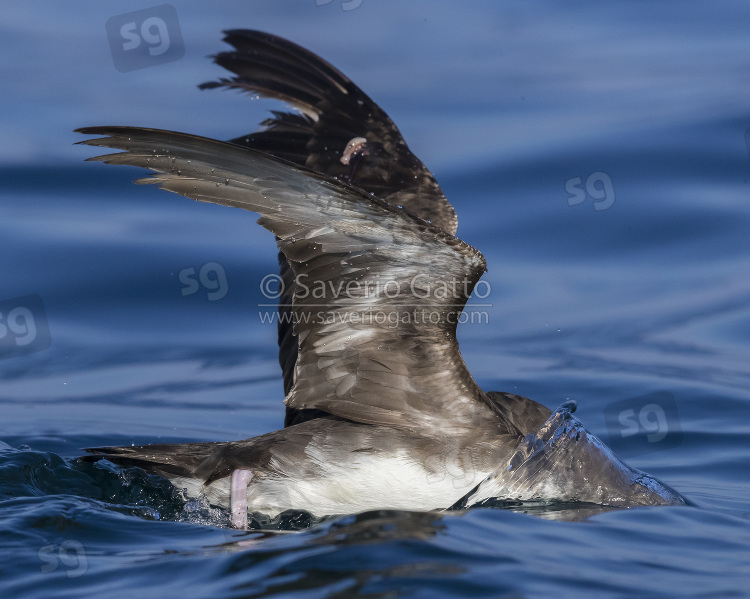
column 596, row 155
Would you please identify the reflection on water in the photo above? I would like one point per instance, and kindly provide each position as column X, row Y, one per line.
column 350, row 536
column 562, row 511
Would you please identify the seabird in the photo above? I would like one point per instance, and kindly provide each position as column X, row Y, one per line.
column 382, row 412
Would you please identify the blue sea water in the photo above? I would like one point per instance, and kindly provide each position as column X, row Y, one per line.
column 596, row 154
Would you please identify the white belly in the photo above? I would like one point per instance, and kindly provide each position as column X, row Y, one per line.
column 365, row 482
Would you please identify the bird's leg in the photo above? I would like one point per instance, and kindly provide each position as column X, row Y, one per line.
column 354, row 151
column 238, row 497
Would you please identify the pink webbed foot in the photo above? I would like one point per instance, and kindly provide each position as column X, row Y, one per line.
column 238, row 497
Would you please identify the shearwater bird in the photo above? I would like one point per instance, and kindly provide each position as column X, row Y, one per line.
column 381, row 409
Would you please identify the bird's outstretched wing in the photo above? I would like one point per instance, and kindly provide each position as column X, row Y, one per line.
column 379, row 290
column 332, row 112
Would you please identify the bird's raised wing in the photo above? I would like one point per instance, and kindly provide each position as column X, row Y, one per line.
column 333, row 111
column 377, row 340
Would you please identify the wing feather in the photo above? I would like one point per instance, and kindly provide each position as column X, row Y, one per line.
column 375, row 345
column 334, row 111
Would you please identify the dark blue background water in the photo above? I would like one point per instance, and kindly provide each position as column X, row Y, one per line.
column 635, row 301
